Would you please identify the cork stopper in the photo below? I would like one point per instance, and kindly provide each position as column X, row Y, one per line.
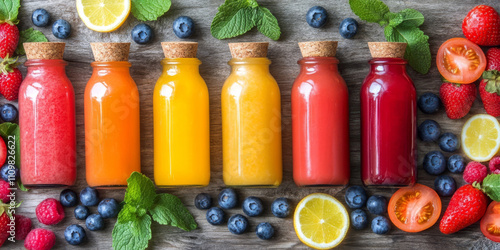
column 318, row 48
column 246, row 50
column 110, row 52
column 387, row 49
column 44, row 50
column 179, row 49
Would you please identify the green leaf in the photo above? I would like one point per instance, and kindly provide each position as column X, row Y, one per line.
column 235, row 17
column 394, row 19
column 169, row 210
column 9, row 131
column 29, row 35
column 388, row 30
column 149, row 10
column 417, row 52
column 9, row 9
column 411, row 18
column 140, row 192
column 127, row 213
column 21, row 186
column 491, row 186
column 369, row 10
column 267, row 24
column 132, row 235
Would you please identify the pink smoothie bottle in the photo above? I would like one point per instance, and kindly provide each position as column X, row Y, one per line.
column 388, row 119
column 47, row 119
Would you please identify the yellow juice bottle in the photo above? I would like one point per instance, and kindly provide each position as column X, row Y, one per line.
column 251, row 119
column 181, row 119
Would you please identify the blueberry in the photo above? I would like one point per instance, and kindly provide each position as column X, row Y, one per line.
column 448, row 142
column 8, row 112
column 348, row 28
column 316, row 16
column 94, row 222
column 228, row 198
column 61, row 29
column 40, row 18
column 183, row 27
column 445, row 185
column 81, row 212
column 434, row 163
column 429, row 103
column 68, row 198
column 142, row 33
column 203, row 201
column 355, row 197
column 252, row 206
column 237, row 224
column 108, row 208
column 264, row 231
column 280, row 207
column 359, row 219
column 9, row 171
column 377, row 204
column 215, row 216
column 429, row 130
column 456, row 164
column 381, row 225
column 89, row 197
column 75, row 234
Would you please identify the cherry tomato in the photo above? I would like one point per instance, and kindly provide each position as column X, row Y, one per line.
column 490, row 223
column 460, row 61
column 414, row 209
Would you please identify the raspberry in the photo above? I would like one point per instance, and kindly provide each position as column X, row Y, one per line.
column 40, row 239
column 23, row 227
column 495, row 165
column 475, row 171
column 50, row 211
column 4, row 191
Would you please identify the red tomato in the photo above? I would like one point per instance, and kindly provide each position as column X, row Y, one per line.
column 490, row 223
column 414, row 209
column 460, row 61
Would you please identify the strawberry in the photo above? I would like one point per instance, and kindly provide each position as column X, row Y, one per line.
column 466, row 207
column 9, row 37
column 482, row 26
column 457, row 98
column 489, row 88
column 493, row 58
column 10, row 79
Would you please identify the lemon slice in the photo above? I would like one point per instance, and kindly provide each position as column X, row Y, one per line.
column 320, row 221
column 103, row 15
column 481, row 137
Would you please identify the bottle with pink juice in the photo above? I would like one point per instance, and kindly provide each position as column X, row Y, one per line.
column 47, row 119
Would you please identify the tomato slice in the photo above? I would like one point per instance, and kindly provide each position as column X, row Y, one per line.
column 490, row 223
column 460, row 61
column 414, row 209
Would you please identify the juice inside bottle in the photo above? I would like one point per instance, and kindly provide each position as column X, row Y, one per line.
column 181, row 119
column 112, row 133
column 251, row 119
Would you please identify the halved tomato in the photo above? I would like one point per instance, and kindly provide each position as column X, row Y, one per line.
column 490, row 223
column 460, row 61
column 414, row 209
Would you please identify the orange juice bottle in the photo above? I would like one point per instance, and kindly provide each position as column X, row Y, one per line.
column 181, row 119
column 112, row 136
column 251, row 119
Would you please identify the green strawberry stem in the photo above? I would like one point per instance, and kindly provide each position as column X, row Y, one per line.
column 492, row 79
column 8, row 64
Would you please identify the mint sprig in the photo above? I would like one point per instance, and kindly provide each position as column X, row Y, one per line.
column 29, row 35
column 490, row 186
column 9, row 9
column 133, row 227
column 237, row 17
column 400, row 26
column 149, row 10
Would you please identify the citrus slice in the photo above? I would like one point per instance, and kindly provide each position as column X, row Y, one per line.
column 320, row 221
column 481, row 137
column 103, row 15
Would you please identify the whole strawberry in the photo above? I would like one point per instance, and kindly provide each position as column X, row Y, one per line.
column 10, row 79
column 457, row 98
column 466, row 207
column 489, row 88
column 9, row 37
column 482, row 26
column 4, row 227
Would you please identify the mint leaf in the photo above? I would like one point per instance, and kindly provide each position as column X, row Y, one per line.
column 267, row 24
column 394, row 19
column 29, row 35
column 491, row 186
column 11, row 129
column 417, row 52
column 149, row 10
column 169, row 210
column 127, row 213
column 9, row 9
column 235, row 17
column 369, row 10
column 411, row 18
column 132, row 234
column 140, row 192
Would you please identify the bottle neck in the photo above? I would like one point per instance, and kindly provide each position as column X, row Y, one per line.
column 385, row 65
column 38, row 67
column 311, row 65
column 106, row 68
column 176, row 66
column 249, row 65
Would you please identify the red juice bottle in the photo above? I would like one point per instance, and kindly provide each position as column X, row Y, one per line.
column 320, row 118
column 388, row 119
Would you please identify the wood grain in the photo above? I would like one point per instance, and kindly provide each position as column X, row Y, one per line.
column 443, row 21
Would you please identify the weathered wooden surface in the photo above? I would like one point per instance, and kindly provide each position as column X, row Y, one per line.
column 443, row 21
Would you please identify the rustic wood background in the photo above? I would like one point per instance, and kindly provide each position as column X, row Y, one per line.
column 443, row 21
